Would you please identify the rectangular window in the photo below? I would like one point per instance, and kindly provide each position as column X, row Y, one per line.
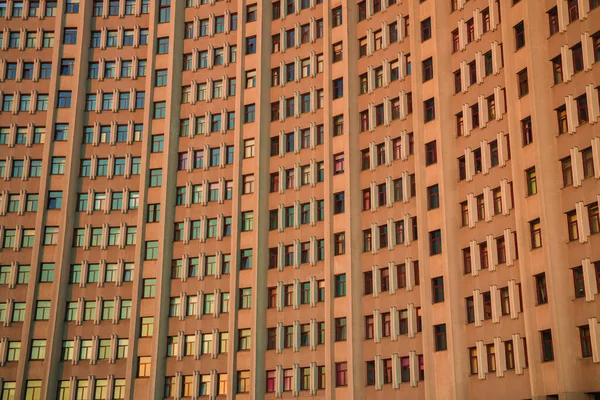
column 160, row 109
column 582, row 109
column 433, row 197
column 561, row 114
column 547, row 347
column 437, row 289
column 541, row 290
column 425, row 30
column 572, row 227
column 338, row 88
column 519, row 35
column 523, row 83
column 340, row 285
column 440, row 337
column 70, row 36
column 64, row 99
column 430, row 153
column 428, row 69
column 594, row 218
column 553, row 21
column 526, row 131
column 586, row 341
column 435, row 242
column 336, row 17
column 557, row 71
column 341, row 369
column 249, row 113
column 429, row 110
column 578, row 282
column 470, row 30
column 251, row 45
column 536, row 233
column 531, row 181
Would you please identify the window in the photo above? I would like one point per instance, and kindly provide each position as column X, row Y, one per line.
column 470, row 30
column 370, row 373
column 161, row 77
column 573, row 10
column 531, row 180
column 596, row 41
column 536, row 234
column 251, row 12
column 51, row 236
column 64, row 99
column 594, row 218
column 557, row 70
column 429, row 109
column 362, row 11
column 597, row 267
column 153, row 213
column 341, row 369
column 338, row 203
column 248, row 148
column 519, row 35
column 340, row 285
column 553, row 21
column 144, row 367
column 433, row 197
column 157, row 143
column 523, row 84
column 339, row 241
column 466, row 253
column 338, row 164
column 38, row 350
column 54, row 200
column 473, row 360
column 547, row 348
column 42, row 311
column 561, row 114
column 338, row 88
column 155, row 177
column 572, row 225
column 582, row 109
column 247, row 221
column 541, row 290
column 526, row 131
column 249, row 113
column 440, row 337
column 578, row 282
column 34, row 387
column 336, row 16
column 376, row 6
column 70, row 36
column 246, row 259
column 67, row 67
column 425, row 30
column 251, row 45
column 245, row 299
column 151, row 250
column 586, row 341
column 428, row 69
column 47, row 273
column 160, row 109
column 437, row 289
column 430, row 153
column 163, row 45
column 340, row 329
column 435, row 242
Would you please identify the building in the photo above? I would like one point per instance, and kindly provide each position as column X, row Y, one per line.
column 381, row 199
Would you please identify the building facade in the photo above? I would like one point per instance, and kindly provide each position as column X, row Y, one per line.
column 381, row 199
